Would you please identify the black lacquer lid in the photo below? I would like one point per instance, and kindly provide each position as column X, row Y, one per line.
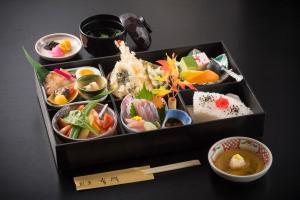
column 138, row 29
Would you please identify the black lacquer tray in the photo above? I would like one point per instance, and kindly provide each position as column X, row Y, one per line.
column 125, row 145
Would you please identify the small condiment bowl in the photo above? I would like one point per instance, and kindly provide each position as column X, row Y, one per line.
column 177, row 114
column 66, row 109
column 57, row 37
column 240, row 143
column 87, row 79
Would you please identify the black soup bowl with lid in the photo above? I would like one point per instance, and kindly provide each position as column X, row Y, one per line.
column 98, row 34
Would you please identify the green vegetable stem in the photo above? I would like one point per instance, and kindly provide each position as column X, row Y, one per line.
column 80, row 119
column 75, row 131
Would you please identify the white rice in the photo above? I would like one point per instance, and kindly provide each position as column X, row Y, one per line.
column 205, row 109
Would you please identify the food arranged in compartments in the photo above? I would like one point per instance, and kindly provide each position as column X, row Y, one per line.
column 219, row 102
column 65, row 86
column 62, row 130
column 141, row 115
column 131, row 73
column 197, row 68
column 83, row 121
column 150, row 94
column 59, row 85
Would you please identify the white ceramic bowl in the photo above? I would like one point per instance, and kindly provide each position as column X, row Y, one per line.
column 240, row 143
column 75, row 42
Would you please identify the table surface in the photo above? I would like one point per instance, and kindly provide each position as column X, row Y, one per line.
column 263, row 39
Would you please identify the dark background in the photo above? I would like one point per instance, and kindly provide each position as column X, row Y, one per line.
column 263, row 38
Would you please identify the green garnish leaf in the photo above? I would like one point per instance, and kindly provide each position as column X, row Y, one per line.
column 133, row 112
column 38, row 68
column 78, row 118
column 102, row 94
column 145, row 94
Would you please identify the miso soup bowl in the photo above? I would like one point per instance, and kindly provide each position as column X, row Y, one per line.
column 99, row 46
column 240, row 143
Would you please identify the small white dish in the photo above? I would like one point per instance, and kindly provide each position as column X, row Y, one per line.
column 57, row 37
column 240, row 143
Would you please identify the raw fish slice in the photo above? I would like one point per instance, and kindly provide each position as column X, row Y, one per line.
column 151, row 113
column 137, row 125
column 146, row 110
column 125, row 105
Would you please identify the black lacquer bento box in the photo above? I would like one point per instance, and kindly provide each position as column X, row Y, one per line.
column 126, row 145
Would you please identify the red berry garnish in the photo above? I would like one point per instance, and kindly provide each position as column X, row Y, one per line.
column 222, row 103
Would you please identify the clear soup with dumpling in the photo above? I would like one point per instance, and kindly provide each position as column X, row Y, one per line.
column 253, row 162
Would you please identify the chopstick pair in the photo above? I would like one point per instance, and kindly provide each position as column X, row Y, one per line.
column 130, row 175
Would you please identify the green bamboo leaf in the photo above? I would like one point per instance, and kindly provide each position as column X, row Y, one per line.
column 38, row 68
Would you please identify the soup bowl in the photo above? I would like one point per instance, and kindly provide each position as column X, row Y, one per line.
column 99, row 32
column 240, row 143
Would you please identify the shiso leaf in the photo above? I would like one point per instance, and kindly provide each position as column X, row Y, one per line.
column 133, row 112
column 38, row 68
column 145, row 94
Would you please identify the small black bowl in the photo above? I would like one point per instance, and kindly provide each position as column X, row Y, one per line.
column 99, row 32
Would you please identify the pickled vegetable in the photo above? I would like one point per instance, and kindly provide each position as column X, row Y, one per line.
column 200, row 77
column 60, row 99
